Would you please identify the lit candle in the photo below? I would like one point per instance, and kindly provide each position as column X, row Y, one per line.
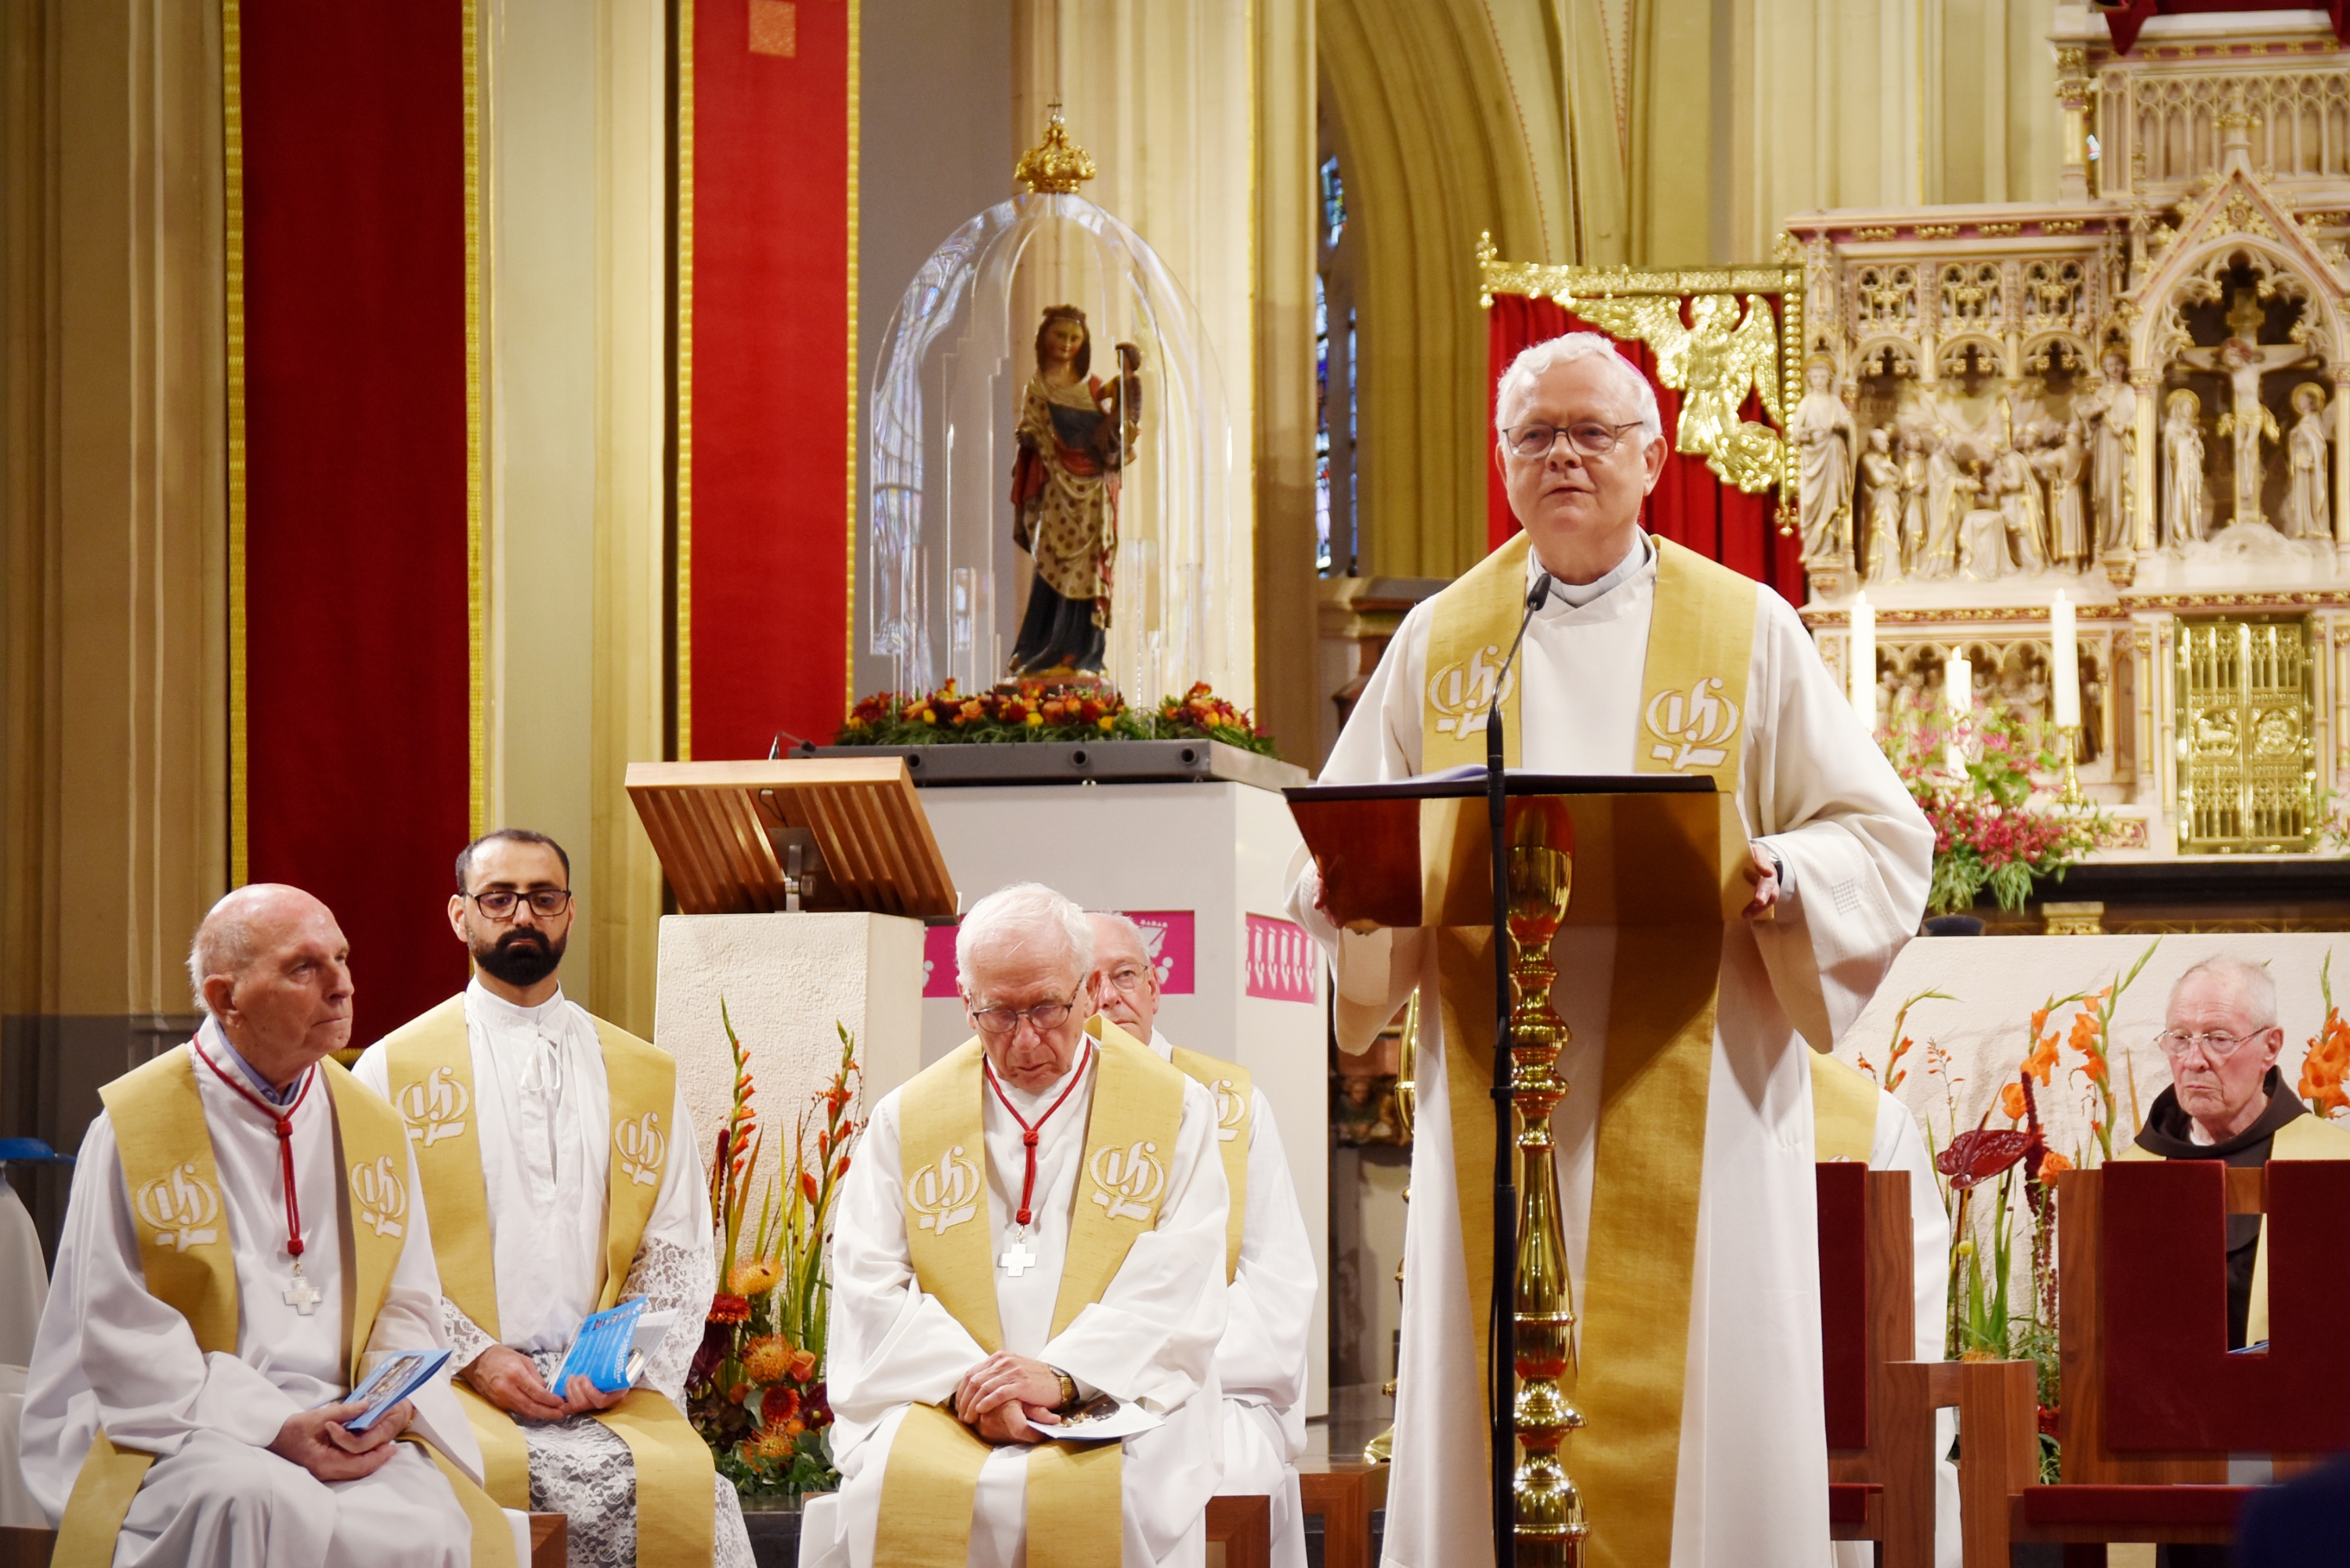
column 1959, row 687
column 2065, row 661
column 1862, row 656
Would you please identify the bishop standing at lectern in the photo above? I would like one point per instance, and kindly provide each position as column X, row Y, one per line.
column 1686, row 1138
column 1035, row 1221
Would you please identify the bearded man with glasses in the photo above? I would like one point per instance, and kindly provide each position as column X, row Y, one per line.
column 2226, row 1101
column 1031, row 1241
column 558, row 1164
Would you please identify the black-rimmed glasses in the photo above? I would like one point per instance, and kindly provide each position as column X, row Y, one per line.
column 499, row 903
column 1588, row 438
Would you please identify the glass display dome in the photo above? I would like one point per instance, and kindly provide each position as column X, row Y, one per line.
column 1053, row 476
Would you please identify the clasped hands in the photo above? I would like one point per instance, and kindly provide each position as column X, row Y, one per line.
column 510, row 1380
column 1006, row 1397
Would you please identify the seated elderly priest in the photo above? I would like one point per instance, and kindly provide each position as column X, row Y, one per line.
column 559, row 1163
column 1268, row 1253
column 1035, row 1222
column 2226, row 1101
column 242, row 1233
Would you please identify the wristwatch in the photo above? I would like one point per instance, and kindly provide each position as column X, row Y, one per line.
column 1068, row 1389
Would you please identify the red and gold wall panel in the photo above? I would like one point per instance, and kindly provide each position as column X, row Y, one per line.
column 767, row 370
column 355, row 471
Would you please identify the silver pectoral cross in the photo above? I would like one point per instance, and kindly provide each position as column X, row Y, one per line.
column 1017, row 1258
column 301, row 1295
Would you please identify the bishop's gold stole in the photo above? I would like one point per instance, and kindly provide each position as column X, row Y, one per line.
column 1075, row 1513
column 1641, row 1252
column 430, row 1076
column 188, row 1256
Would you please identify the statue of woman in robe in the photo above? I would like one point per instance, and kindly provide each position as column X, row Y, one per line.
column 1882, row 470
column 2018, row 490
column 2062, row 464
column 1824, row 435
column 1077, row 435
column 2308, row 513
column 2186, row 505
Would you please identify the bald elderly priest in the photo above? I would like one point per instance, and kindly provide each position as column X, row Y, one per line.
column 242, row 1240
column 1268, row 1253
column 1035, row 1222
column 1685, row 1146
column 558, row 1164
column 2228, row 1102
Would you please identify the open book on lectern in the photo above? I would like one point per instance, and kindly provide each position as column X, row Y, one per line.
column 1650, row 849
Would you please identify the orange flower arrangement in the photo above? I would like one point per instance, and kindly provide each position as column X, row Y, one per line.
column 2323, row 1069
column 2051, row 1165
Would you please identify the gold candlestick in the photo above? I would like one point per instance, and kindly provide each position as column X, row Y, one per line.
column 2071, row 794
column 1551, row 1528
column 1381, row 1448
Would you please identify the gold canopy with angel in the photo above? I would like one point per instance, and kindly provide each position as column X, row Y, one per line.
column 1712, row 361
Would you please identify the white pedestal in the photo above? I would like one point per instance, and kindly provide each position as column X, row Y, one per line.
column 786, row 980
column 1218, row 850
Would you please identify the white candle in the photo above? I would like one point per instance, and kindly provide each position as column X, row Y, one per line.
column 2065, row 661
column 1862, row 656
column 1958, row 696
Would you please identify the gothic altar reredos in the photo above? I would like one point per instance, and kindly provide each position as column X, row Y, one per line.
column 2136, row 395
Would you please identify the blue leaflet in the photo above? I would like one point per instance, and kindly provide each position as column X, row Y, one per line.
column 600, row 1354
column 393, row 1380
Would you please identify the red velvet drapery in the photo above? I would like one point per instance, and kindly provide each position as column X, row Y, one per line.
column 1690, row 505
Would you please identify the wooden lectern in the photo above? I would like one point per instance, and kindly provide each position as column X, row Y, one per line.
column 823, row 834
column 802, row 885
column 1641, row 850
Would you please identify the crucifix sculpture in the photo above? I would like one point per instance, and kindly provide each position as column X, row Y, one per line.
column 2244, row 361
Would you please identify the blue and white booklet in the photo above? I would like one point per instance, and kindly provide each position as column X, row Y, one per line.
column 395, row 1377
column 612, row 1347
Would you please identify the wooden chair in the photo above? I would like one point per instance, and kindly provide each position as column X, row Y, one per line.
column 2153, row 1404
column 31, row 1548
column 1242, row 1526
column 1344, row 1493
column 1880, row 1436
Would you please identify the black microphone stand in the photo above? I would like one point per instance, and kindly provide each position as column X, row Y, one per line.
column 1503, row 1333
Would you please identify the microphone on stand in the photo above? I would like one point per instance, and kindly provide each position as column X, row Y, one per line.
column 1501, row 1337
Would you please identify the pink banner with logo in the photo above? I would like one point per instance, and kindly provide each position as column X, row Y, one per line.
column 1167, row 935
column 1282, row 959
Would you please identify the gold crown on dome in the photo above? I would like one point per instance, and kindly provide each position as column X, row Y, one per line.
column 1054, row 166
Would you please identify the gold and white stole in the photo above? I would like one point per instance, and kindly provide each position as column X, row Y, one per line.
column 430, row 1067
column 1229, row 1083
column 1642, row 1247
column 928, row 1490
column 188, row 1256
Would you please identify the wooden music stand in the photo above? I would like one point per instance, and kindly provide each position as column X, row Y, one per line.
column 804, row 834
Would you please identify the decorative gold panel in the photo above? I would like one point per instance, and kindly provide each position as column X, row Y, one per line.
column 2247, row 762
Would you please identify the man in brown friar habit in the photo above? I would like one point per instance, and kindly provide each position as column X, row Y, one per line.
column 242, row 1245
column 557, row 1162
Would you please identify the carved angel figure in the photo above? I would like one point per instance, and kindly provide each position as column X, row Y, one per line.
column 1713, row 364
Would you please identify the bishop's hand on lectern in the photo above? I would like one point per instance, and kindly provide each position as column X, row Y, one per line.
column 1687, row 1187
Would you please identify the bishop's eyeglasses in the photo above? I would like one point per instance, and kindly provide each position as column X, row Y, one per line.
column 1588, row 438
column 1047, row 1016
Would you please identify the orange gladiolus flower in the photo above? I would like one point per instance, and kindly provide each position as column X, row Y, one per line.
column 2052, row 1165
column 2010, row 1100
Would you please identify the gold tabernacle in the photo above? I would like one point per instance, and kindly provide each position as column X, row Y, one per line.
column 1549, row 1523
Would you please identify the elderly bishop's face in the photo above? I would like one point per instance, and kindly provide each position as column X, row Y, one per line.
column 1569, row 503
column 1028, row 1000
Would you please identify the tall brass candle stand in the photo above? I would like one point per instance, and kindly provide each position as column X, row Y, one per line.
column 2071, row 792
column 1551, row 1528
column 1381, row 1448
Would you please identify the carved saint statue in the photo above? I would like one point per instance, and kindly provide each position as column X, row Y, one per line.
column 2061, row 464
column 2244, row 362
column 1077, row 435
column 1913, row 504
column 2018, row 490
column 2112, row 416
column 2308, row 512
column 1825, row 437
column 1883, row 474
column 1948, row 493
column 2186, row 505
